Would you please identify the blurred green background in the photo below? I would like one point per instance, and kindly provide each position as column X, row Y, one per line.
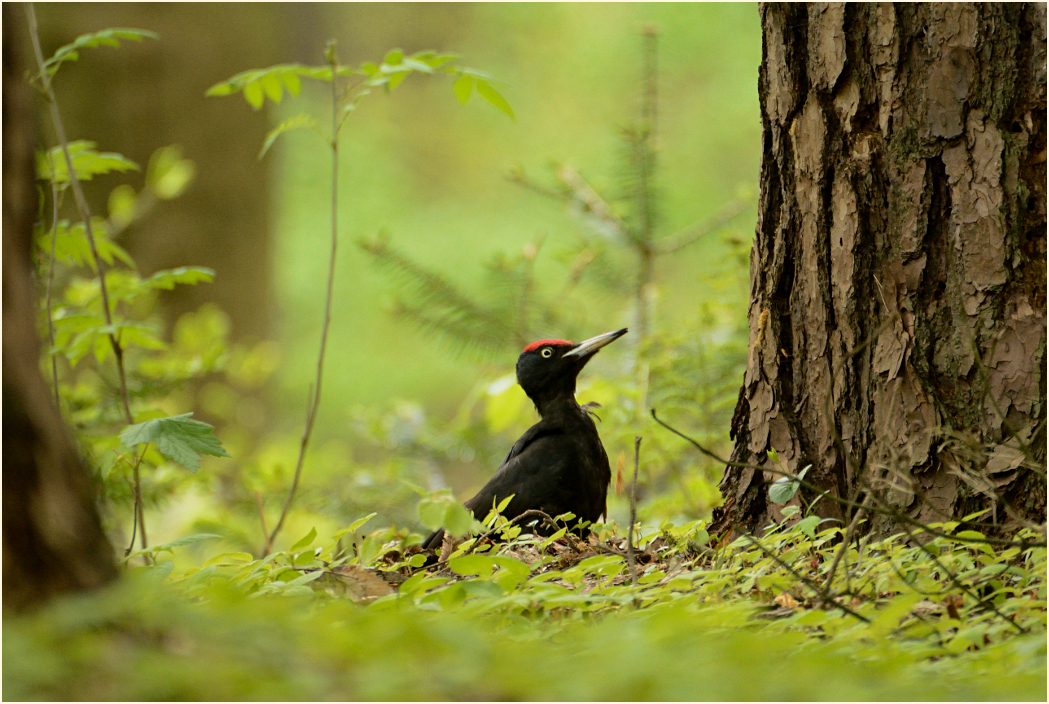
column 399, row 405
column 432, row 173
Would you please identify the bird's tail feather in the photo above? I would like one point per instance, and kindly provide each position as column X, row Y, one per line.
column 434, row 541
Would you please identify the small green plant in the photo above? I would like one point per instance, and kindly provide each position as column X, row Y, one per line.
column 102, row 314
column 349, row 85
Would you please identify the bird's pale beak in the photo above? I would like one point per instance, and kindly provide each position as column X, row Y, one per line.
column 588, row 347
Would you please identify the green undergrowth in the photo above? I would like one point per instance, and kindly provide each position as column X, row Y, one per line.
column 555, row 618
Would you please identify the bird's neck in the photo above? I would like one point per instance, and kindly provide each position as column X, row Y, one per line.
column 556, row 406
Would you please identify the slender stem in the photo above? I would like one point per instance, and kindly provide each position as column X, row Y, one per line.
column 262, row 513
column 315, row 397
column 824, row 597
column 846, row 539
column 140, row 510
column 85, row 214
column 630, row 560
column 138, row 518
column 81, row 202
column 50, row 285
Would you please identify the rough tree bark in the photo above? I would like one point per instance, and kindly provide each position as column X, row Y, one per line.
column 52, row 537
column 898, row 275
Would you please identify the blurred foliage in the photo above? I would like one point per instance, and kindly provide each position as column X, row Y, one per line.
column 724, row 623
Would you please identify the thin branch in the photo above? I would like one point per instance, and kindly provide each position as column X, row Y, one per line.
column 845, row 541
column 517, row 175
column 81, row 202
column 697, row 230
column 50, row 286
column 825, row 598
column 262, row 514
column 313, row 403
column 85, row 214
column 137, row 519
column 969, row 592
column 594, row 203
column 631, row 562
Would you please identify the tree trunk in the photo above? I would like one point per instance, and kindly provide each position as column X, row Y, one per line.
column 52, row 537
column 898, row 274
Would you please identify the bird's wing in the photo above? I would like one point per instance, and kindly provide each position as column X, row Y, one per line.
column 531, row 435
column 529, row 473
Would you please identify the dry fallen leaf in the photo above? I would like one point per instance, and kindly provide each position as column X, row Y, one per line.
column 786, row 601
column 356, row 583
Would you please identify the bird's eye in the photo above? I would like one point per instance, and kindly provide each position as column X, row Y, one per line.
column 547, row 352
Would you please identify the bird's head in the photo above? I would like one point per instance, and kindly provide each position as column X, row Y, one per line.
column 548, row 368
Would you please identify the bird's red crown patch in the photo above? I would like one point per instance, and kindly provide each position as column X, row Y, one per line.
column 543, row 343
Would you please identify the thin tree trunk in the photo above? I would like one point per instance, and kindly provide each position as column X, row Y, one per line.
column 53, row 541
column 898, row 275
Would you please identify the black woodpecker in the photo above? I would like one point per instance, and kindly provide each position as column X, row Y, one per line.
column 559, row 465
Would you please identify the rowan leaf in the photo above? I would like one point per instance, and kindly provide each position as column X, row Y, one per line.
column 302, row 121
column 105, row 37
column 494, row 98
column 463, row 88
column 88, row 162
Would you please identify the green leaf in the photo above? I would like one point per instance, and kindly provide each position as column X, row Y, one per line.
column 178, row 438
column 122, row 205
column 186, row 275
column 302, row 121
column 230, row 558
column 272, row 86
column 808, row 525
column 494, row 98
column 463, row 88
column 457, row 519
column 253, row 94
column 306, row 541
column 782, row 490
column 393, row 57
column 291, row 82
column 431, row 513
column 169, row 547
column 168, row 173
column 354, row 527
column 773, row 455
column 396, row 79
column 87, row 162
column 468, row 565
column 72, row 247
column 105, row 37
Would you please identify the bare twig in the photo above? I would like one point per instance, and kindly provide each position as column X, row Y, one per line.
column 315, row 398
column 697, row 230
column 826, row 598
column 137, row 520
column 955, row 581
column 50, row 285
column 631, row 561
column 262, row 514
column 845, row 541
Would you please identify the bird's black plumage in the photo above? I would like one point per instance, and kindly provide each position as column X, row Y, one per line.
column 559, row 465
